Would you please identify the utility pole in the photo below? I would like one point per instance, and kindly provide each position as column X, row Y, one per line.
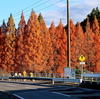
column 68, row 31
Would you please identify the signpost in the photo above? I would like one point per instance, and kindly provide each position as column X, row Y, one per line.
column 82, row 59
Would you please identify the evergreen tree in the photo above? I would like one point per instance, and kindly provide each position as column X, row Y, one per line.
column 11, row 25
column 40, row 18
column 95, row 13
column 3, row 27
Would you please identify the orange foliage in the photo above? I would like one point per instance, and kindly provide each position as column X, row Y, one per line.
column 35, row 47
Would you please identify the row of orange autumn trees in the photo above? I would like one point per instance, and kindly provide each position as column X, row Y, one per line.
column 33, row 46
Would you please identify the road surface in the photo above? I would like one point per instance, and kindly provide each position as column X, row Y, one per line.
column 30, row 90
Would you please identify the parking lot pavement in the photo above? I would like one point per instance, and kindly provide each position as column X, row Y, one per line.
column 4, row 95
column 81, row 93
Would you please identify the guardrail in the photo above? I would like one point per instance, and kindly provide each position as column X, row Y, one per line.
column 4, row 78
column 86, row 77
column 91, row 77
column 67, row 80
column 53, row 80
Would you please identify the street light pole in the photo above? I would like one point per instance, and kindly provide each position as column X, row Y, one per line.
column 68, row 31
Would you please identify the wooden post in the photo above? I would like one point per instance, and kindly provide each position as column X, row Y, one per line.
column 68, row 30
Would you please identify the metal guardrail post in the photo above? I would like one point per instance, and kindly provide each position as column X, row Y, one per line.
column 33, row 80
column 91, row 80
column 53, row 82
column 53, row 75
column 97, row 81
column 84, row 80
column 24, row 80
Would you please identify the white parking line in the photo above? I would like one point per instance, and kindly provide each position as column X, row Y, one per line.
column 11, row 85
column 1, row 90
column 18, row 96
column 30, row 88
column 61, row 94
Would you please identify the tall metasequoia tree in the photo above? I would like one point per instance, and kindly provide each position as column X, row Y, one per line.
column 95, row 26
column 89, row 46
column 42, row 52
column 95, row 29
column 3, row 29
column 33, row 43
column 21, row 25
column 47, row 59
column 33, row 47
column 61, row 49
column 26, row 50
column 2, row 52
column 73, row 55
column 52, row 31
column 79, row 46
column 19, row 43
column 98, row 56
column 10, row 44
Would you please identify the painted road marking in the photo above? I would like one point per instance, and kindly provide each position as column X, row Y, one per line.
column 18, row 96
column 1, row 90
column 30, row 88
column 61, row 94
column 11, row 85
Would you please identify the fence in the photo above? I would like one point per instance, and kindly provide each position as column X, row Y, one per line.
column 43, row 77
column 52, row 75
column 91, row 77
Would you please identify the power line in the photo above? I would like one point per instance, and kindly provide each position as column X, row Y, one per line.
column 49, row 6
column 28, row 7
column 51, row 13
column 34, row 7
column 16, row 14
column 43, row 8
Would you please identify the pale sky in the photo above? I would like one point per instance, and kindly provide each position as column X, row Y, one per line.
column 52, row 10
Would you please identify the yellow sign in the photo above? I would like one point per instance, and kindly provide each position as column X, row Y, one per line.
column 81, row 58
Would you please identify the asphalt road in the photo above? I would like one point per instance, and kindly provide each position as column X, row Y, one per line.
column 30, row 90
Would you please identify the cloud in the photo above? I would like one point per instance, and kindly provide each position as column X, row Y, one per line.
column 79, row 9
column 54, row 16
column 57, row 13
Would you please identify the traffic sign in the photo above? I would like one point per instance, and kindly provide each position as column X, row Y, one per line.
column 82, row 63
column 82, row 58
